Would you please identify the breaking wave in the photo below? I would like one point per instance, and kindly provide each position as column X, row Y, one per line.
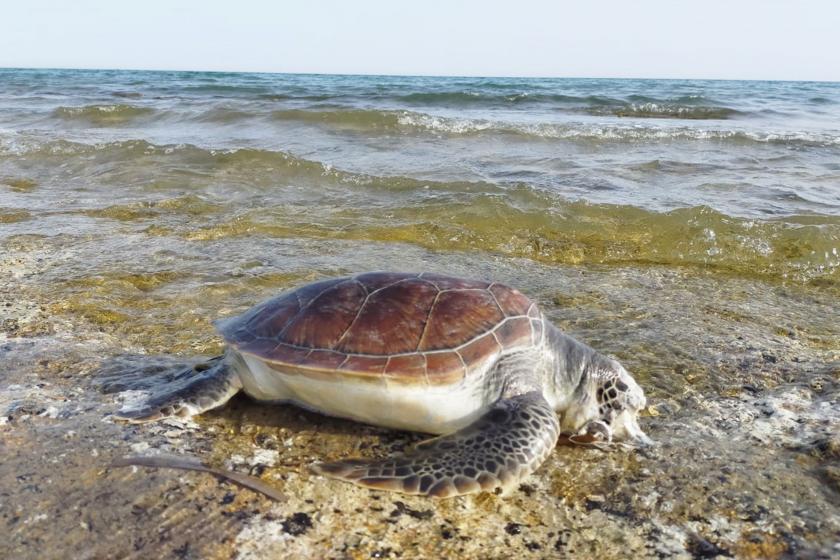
column 102, row 115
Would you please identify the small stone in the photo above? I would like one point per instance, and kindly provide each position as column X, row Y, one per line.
column 701, row 548
column 297, row 524
column 139, row 447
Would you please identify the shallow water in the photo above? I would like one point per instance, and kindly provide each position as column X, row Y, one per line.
column 690, row 228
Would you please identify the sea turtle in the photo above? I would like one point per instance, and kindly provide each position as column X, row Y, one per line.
column 474, row 361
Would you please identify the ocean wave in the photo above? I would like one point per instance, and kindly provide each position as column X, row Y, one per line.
column 361, row 118
column 588, row 132
column 298, row 97
column 658, row 110
column 423, row 122
column 224, row 115
column 477, row 98
column 127, row 94
column 261, row 166
column 102, row 115
column 418, row 122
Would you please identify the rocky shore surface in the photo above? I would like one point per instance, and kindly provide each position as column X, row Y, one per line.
column 744, row 404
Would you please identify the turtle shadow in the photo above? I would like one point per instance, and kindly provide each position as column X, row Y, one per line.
column 133, row 377
column 242, row 410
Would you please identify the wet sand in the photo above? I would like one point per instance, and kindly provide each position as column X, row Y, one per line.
column 743, row 378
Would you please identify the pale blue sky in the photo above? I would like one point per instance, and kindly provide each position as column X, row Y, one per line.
column 739, row 39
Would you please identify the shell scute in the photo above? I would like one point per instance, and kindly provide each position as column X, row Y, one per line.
column 444, row 366
column 305, row 294
column 326, row 317
column 288, row 354
column 370, row 365
column 259, row 346
column 450, row 283
column 270, row 318
column 480, row 350
column 391, row 321
column 411, row 366
column 323, row 359
column 459, row 316
column 512, row 302
column 514, row 332
column 373, row 281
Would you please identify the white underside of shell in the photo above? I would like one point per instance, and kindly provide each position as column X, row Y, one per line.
column 434, row 410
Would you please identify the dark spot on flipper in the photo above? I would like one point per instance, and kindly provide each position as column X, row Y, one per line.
column 425, row 483
column 497, row 416
column 465, row 485
column 356, row 462
column 621, row 385
column 506, row 477
column 381, row 483
column 411, row 485
column 487, row 481
column 334, row 469
column 443, row 489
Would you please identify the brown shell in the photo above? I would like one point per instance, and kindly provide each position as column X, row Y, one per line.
column 404, row 328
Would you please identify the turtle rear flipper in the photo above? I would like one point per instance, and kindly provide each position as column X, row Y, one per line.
column 182, row 393
column 498, row 450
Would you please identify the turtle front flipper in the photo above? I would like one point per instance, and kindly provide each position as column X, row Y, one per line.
column 185, row 393
column 498, row 450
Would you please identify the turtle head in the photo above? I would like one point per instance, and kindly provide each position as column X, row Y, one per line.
column 619, row 400
column 607, row 404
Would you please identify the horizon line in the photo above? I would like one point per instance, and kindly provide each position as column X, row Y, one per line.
column 378, row 75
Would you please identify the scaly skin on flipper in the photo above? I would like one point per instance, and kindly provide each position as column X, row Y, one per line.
column 189, row 392
column 498, row 450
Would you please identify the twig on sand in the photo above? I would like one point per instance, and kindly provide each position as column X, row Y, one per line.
column 191, row 463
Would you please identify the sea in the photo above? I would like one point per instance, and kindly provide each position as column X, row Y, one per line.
column 736, row 176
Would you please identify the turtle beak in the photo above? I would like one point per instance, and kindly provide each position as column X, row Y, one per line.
column 642, row 440
column 633, row 432
column 636, row 435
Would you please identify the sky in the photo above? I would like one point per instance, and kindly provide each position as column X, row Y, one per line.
column 725, row 39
